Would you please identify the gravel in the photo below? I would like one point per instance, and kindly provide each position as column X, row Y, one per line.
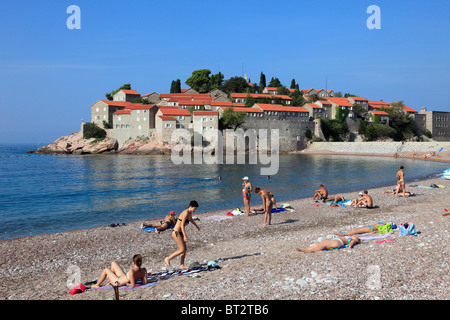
column 258, row 262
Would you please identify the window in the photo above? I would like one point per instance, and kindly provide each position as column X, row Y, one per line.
column 97, row 109
column 204, row 119
column 168, row 125
column 180, row 117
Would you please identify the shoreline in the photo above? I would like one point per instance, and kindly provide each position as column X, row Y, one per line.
column 39, row 261
column 444, row 157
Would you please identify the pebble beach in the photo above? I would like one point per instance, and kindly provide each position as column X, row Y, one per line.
column 256, row 262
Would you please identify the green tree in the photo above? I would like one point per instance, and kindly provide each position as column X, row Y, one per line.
column 262, row 82
column 216, row 80
column 109, row 96
column 400, row 121
column 200, row 81
column 175, row 87
column 297, row 98
column 235, row 84
column 91, row 130
column 275, row 82
column 231, row 119
column 293, row 85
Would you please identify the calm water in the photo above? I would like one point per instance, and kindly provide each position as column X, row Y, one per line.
column 56, row 193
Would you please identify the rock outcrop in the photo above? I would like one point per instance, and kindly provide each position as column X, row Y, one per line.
column 76, row 144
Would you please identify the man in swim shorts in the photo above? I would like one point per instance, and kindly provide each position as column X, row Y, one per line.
column 321, row 193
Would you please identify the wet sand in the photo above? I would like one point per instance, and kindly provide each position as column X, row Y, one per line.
column 260, row 262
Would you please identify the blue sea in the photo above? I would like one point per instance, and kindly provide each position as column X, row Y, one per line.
column 55, row 193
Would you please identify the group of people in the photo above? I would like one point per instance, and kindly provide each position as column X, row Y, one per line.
column 117, row 276
column 363, row 199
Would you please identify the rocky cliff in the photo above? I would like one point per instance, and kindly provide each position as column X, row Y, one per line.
column 76, row 144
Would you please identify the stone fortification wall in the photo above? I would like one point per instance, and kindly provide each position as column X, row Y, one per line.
column 379, row 147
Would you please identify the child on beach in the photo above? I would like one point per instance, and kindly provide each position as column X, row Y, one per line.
column 338, row 242
column 117, row 277
column 168, row 221
column 268, row 201
column 365, row 201
column 179, row 234
column 246, row 193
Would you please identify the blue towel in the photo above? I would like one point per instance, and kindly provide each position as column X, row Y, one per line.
column 152, row 229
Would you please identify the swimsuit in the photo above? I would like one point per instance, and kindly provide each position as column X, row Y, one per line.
column 342, row 243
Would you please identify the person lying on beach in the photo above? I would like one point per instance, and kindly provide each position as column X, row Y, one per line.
column 321, row 193
column 168, row 221
column 179, row 234
column 267, row 198
column 338, row 242
column 335, row 199
column 393, row 191
column 366, row 201
column 361, row 230
column 118, row 278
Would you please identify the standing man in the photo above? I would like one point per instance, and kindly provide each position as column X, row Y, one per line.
column 246, row 193
column 268, row 201
column 400, row 182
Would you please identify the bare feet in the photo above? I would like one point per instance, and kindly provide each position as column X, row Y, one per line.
column 95, row 286
column 183, row 267
column 167, row 262
column 300, row 250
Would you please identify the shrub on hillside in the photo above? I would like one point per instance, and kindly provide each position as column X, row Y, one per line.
column 91, row 130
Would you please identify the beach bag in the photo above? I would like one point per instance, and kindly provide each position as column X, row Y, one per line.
column 408, row 229
column 385, row 228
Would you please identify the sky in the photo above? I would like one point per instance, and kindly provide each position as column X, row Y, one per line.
column 50, row 75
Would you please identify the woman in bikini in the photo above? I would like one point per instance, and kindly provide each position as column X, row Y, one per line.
column 337, row 242
column 168, row 221
column 246, row 193
column 117, row 277
column 179, row 234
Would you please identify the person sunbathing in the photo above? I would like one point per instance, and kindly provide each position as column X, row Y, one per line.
column 393, row 191
column 361, row 230
column 338, row 242
column 117, row 277
column 336, row 199
column 168, row 221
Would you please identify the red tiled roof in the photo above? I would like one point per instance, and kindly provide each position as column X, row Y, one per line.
column 314, row 106
column 166, row 118
column 132, row 92
column 115, row 103
column 243, row 109
column 342, row 102
column 272, row 88
column 206, row 113
column 408, row 109
column 221, row 103
column 122, row 112
column 259, row 95
column 381, row 113
column 359, row 98
column 279, row 107
column 174, row 112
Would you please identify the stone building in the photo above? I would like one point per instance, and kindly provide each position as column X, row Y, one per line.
column 437, row 122
column 126, row 95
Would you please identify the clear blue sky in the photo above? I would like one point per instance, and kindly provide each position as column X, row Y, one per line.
column 50, row 75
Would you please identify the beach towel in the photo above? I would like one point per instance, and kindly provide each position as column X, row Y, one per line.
column 344, row 203
column 376, row 237
column 153, row 278
column 152, row 229
column 408, row 229
column 278, row 210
